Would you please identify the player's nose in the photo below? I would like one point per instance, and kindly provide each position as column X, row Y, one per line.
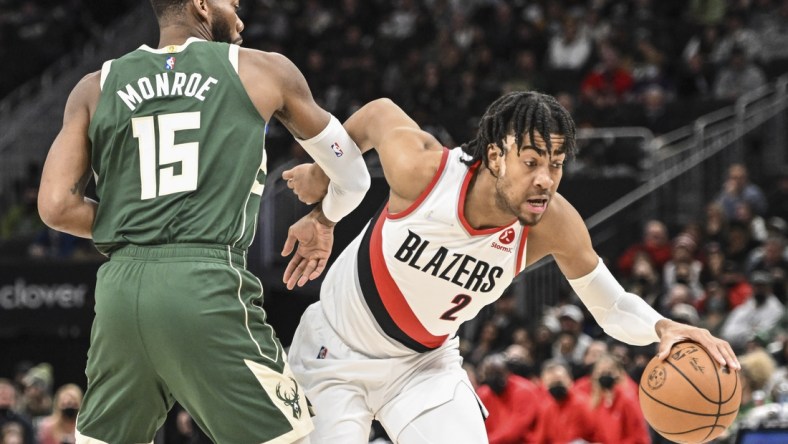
column 543, row 179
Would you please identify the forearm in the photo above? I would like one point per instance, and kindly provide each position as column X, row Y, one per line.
column 622, row 315
column 75, row 218
column 340, row 159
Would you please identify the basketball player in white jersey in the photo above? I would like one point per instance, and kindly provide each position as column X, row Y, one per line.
column 459, row 225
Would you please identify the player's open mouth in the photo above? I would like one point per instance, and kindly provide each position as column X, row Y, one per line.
column 537, row 205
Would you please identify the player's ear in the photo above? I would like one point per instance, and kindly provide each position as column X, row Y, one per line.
column 495, row 159
column 201, row 8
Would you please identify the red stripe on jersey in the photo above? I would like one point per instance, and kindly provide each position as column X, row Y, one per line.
column 390, row 294
column 461, row 206
column 521, row 251
column 424, row 193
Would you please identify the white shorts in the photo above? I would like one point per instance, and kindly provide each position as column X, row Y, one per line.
column 348, row 389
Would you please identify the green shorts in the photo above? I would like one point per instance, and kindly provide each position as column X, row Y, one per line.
column 185, row 323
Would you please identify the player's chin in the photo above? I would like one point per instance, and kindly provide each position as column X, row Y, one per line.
column 529, row 218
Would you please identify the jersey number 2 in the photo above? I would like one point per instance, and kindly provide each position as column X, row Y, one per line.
column 161, row 171
column 462, row 300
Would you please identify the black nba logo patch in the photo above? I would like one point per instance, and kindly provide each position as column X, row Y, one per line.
column 322, row 353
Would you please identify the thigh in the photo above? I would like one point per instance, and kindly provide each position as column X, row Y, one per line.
column 125, row 401
column 334, row 379
column 220, row 358
column 457, row 421
column 428, row 382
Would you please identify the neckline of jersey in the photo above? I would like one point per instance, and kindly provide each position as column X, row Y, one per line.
column 171, row 48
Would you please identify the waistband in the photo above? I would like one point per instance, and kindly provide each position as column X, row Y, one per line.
column 197, row 252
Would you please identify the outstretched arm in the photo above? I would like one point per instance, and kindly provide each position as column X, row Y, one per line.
column 624, row 316
column 61, row 197
column 409, row 156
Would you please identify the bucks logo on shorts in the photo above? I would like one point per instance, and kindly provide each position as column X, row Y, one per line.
column 290, row 400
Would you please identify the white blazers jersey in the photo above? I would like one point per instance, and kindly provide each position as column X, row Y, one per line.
column 409, row 280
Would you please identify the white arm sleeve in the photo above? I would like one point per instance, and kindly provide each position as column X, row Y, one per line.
column 341, row 159
column 624, row 316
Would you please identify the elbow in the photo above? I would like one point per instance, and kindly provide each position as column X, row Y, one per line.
column 52, row 210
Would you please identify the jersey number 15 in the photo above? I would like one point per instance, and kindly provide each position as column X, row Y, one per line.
column 152, row 170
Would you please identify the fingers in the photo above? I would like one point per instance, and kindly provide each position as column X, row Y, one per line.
column 288, row 174
column 291, row 267
column 726, row 356
column 664, row 350
column 321, row 265
column 289, row 243
column 296, row 275
column 307, row 272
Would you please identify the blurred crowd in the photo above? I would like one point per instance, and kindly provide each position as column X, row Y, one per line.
column 647, row 63
column 36, row 33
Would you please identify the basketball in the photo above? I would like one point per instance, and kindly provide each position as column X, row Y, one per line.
column 689, row 397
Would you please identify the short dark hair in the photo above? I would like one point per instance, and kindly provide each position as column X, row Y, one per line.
column 163, row 8
column 520, row 112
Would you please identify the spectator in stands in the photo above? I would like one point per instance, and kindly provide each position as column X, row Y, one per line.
column 738, row 76
column 506, row 317
column 683, row 267
column 771, row 259
column 676, row 294
column 512, row 402
column 520, row 362
column 644, row 279
column 714, row 307
column 655, row 243
column 565, row 415
column 572, row 342
column 570, row 49
column 739, row 244
column 736, row 37
column 581, row 374
column 654, row 113
column 37, row 396
column 614, row 402
column 9, row 417
column 694, row 78
column 12, row 433
column 737, row 187
column 608, row 83
column 760, row 313
column 60, row 426
column 757, row 225
column 487, row 343
column 778, row 197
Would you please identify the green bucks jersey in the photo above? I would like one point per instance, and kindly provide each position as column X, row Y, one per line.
column 178, row 149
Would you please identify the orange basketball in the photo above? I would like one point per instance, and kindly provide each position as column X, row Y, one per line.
column 689, row 397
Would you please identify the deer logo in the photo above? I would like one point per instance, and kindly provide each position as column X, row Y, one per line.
column 292, row 399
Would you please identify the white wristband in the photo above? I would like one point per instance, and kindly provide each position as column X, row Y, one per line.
column 624, row 316
column 341, row 160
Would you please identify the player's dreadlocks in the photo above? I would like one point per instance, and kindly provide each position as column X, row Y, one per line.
column 519, row 112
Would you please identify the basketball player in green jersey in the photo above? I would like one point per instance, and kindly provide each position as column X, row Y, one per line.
column 174, row 138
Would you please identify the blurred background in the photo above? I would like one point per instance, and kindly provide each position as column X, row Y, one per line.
column 682, row 173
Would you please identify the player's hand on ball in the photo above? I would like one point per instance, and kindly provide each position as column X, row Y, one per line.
column 308, row 182
column 671, row 333
column 314, row 239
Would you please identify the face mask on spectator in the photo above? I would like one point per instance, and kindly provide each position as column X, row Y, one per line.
column 607, row 381
column 70, row 412
column 558, row 391
column 497, row 383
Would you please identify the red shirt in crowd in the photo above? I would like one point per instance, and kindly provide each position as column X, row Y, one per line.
column 622, row 418
column 513, row 412
column 568, row 420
